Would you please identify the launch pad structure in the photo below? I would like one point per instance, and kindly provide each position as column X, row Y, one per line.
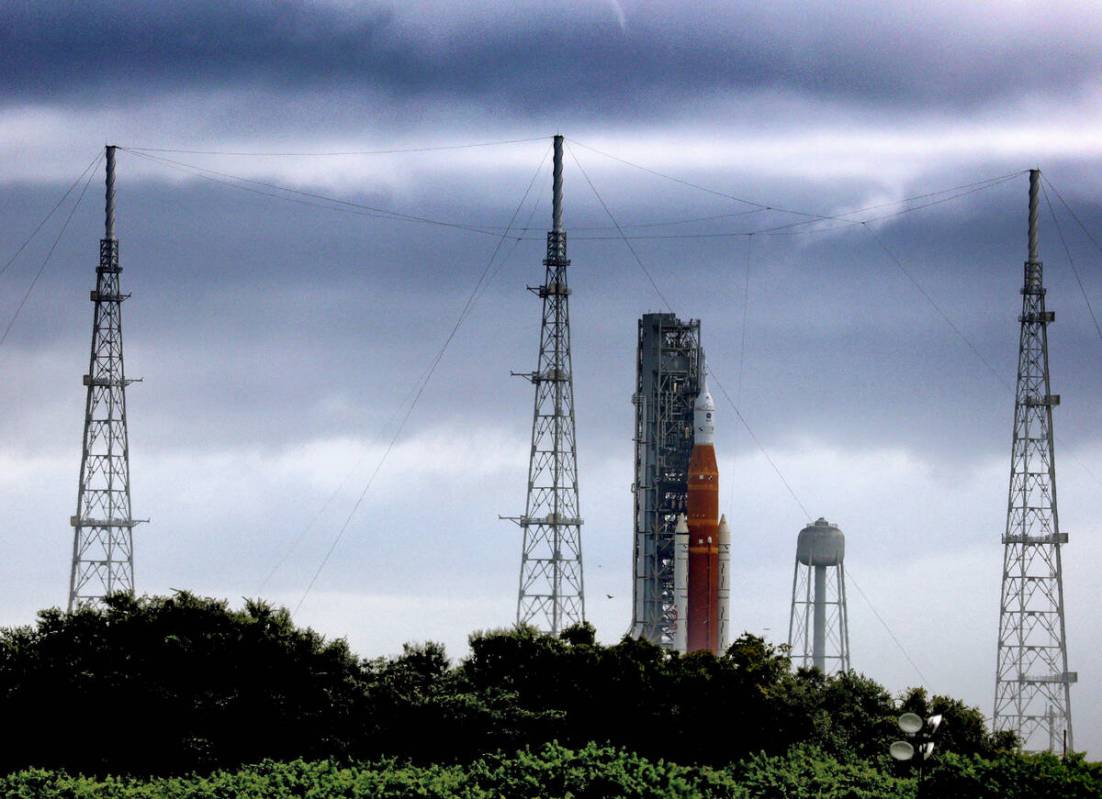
column 669, row 365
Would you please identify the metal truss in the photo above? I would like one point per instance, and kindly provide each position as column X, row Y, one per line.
column 801, row 621
column 668, row 367
column 552, row 595
column 103, row 550
column 1032, row 681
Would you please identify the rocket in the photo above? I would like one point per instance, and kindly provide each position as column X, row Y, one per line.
column 681, row 583
column 724, row 585
column 703, row 606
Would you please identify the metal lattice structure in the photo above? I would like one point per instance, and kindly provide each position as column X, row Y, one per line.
column 103, row 547
column 1032, row 681
column 669, row 363
column 552, row 595
column 818, row 625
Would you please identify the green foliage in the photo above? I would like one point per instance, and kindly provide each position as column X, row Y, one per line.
column 964, row 730
column 174, row 685
column 808, row 771
column 1013, row 776
column 592, row 772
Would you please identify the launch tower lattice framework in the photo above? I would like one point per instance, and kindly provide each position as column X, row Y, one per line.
column 552, row 594
column 1032, row 681
column 818, row 627
column 103, row 546
column 669, row 364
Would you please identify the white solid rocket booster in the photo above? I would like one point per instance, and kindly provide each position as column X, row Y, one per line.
column 681, row 584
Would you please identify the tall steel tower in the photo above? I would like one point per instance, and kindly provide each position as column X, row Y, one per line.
column 551, row 594
column 818, row 627
column 669, row 364
column 1032, row 681
column 103, row 551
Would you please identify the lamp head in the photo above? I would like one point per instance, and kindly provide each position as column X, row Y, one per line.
column 901, row 751
column 910, row 723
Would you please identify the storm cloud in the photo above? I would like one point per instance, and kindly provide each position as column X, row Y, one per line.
column 522, row 59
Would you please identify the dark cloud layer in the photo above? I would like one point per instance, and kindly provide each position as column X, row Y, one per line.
column 521, row 62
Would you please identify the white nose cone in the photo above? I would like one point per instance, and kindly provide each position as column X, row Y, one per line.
column 682, row 525
column 704, row 412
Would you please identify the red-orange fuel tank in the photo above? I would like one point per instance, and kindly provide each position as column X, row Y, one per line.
column 703, row 507
column 703, row 627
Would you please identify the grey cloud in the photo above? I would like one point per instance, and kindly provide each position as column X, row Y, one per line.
column 545, row 57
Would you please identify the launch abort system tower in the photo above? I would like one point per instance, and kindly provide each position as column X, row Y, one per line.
column 1032, row 681
column 103, row 546
column 552, row 594
column 818, row 627
column 669, row 364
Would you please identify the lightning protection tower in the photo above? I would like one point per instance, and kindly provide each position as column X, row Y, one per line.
column 103, row 550
column 1032, row 681
column 552, row 595
column 669, row 362
column 818, row 627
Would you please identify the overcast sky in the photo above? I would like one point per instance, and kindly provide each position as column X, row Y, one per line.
column 279, row 339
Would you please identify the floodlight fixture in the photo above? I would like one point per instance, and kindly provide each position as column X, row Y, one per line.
column 934, row 722
column 927, row 750
column 910, row 723
column 901, row 750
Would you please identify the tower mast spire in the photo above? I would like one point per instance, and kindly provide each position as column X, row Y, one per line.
column 551, row 594
column 1032, row 681
column 103, row 552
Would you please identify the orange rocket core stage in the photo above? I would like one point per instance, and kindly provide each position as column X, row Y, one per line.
column 703, row 507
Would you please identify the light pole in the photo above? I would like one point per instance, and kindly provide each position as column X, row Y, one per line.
column 921, row 733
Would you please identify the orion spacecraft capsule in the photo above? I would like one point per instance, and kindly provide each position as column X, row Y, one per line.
column 704, row 590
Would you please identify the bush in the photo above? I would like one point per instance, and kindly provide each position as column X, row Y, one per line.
column 171, row 685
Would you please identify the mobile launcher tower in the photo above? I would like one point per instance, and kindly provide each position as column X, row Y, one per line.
column 681, row 550
column 818, row 627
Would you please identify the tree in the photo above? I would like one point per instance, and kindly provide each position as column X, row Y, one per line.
column 168, row 684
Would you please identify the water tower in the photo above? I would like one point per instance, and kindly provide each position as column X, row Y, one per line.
column 818, row 628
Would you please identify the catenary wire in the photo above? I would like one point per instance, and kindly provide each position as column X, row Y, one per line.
column 812, row 217
column 899, row 645
column 312, row 154
column 228, row 179
column 741, row 354
column 49, row 254
column 405, row 401
column 975, row 350
column 790, row 228
column 420, row 390
column 662, row 297
column 1071, row 261
column 309, row 198
column 620, row 230
column 895, row 259
column 1074, row 216
column 53, row 210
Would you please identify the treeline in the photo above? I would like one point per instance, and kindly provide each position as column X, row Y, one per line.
column 594, row 772
column 173, row 685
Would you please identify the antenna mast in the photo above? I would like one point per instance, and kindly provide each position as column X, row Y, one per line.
column 103, row 552
column 551, row 594
column 1032, row 681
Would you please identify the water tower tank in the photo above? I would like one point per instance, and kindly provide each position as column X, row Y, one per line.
column 821, row 544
